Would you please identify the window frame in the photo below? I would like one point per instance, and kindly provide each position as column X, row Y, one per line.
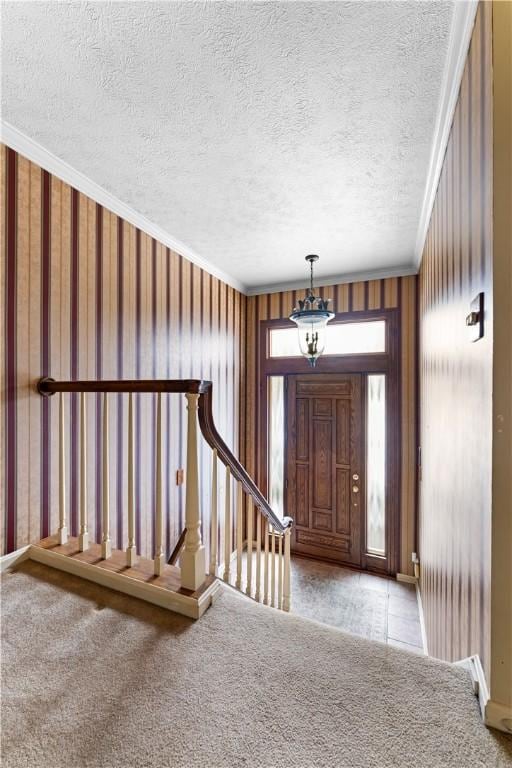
column 330, row 325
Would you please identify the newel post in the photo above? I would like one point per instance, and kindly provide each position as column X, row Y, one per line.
column 192, row 561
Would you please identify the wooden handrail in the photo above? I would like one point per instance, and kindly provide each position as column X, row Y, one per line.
column 48, row 386
column 214, row 440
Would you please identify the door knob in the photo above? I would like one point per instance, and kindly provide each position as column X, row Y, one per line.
column 355, row 489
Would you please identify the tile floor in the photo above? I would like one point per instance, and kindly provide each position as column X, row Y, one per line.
column 370, row 606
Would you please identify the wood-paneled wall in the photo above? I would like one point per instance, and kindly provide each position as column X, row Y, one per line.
column 456, row 375
column 393, row 292
column 87, row 295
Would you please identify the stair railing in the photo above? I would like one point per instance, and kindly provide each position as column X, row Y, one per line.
column 261, row 539
column 256, row 539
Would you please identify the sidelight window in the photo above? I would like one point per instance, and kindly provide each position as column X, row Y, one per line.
column 376, row 465
column 276, row 444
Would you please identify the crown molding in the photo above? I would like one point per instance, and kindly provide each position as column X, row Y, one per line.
column 34, row 152
column 352, row 277
column 464, row 13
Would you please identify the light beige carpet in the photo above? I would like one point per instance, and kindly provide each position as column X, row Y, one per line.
column 93, row 679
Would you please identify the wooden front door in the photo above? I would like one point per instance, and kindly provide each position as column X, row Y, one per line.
column 325, row 466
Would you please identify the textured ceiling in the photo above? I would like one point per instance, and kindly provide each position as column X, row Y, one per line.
column 254, row 132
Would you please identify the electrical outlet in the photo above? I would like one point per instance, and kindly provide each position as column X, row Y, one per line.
column 180, row 476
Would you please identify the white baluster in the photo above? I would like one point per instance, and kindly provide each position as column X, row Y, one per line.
column 214, row 518
column 273, row 567
column 287, row 569
column 227, row 527
column 106, row 544
column 257, row 595
column 265, row 561
column 280, row 572
column 239, row 536
column 63, row 529
column 250, row 515
column 159, row 552
column 83, row 537
column 193, row 558
column 131, row 551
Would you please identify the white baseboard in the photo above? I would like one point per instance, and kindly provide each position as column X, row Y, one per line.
column 422, row 618
column 405, row 577
column 494, row 714
column 13, row 558
column 480, row 689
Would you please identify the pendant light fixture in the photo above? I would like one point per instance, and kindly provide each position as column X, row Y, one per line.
column 311, row 317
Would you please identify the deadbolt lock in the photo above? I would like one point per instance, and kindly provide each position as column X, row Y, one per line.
column 355, row 476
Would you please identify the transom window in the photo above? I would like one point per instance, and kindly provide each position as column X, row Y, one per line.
column 363, row 338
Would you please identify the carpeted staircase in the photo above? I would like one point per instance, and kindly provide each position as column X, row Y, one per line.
column 95, row 679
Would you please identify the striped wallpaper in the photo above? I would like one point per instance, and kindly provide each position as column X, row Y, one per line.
column 456, row 375
column 393, row 292
column 87, row 295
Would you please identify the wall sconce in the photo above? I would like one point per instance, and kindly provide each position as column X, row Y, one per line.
column 475, row 319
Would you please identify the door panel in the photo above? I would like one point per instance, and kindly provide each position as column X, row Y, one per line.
column 324, row 451
column 321, row 521
column 322, row 407
column 343, row 515
column 343, row 431
column 302, row 411
column 322, row 464
column 302, row 495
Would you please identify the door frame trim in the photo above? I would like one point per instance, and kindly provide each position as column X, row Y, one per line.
column 389, row 363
